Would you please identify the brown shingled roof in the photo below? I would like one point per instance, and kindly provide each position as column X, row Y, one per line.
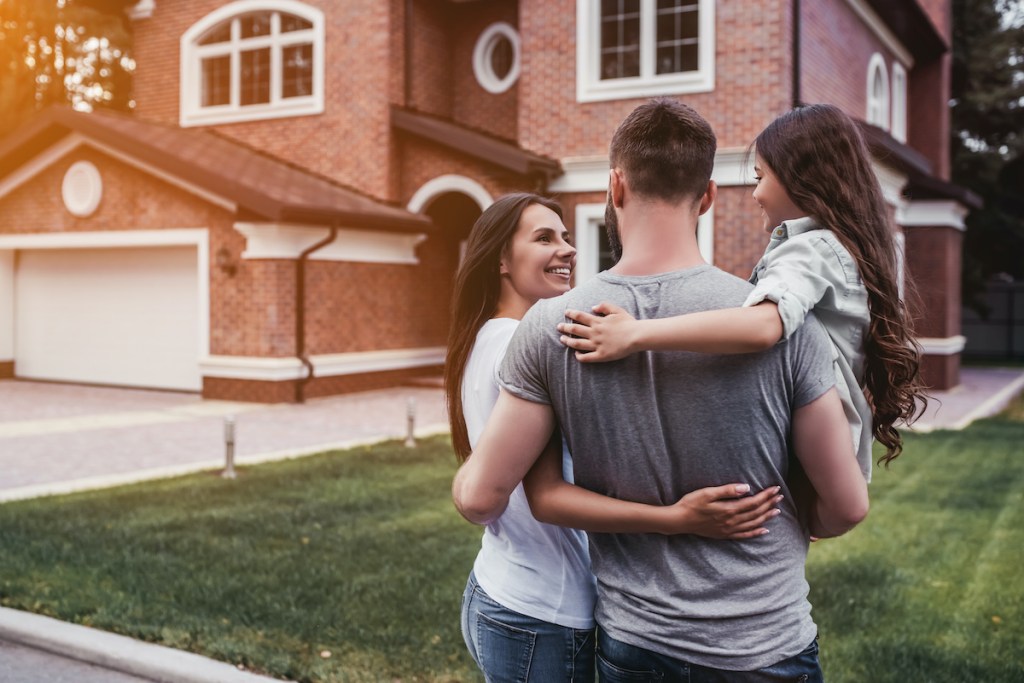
column 478, row 144
column 257, row 183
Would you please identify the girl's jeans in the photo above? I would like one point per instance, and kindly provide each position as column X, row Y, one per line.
column 513, row 648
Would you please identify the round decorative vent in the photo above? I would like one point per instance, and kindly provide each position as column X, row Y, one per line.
column 496, row 58
column 82, row 189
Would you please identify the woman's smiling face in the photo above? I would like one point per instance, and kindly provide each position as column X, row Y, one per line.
column 539, row 259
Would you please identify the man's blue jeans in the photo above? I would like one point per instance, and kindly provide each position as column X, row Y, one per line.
column 618, row 662
column 513, row 648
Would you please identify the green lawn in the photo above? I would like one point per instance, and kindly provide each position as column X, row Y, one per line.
column 360, row 554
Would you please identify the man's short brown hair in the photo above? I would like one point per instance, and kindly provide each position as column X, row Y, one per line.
column 666, row 150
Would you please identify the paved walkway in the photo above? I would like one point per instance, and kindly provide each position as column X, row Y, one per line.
column 59, row 438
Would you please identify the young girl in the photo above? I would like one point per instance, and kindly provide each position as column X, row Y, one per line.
column 528, row 605
column 831, row 252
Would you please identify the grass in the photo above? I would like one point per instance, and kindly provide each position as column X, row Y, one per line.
column 360, row 553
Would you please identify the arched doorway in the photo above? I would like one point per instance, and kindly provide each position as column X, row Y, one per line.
column 453, row 203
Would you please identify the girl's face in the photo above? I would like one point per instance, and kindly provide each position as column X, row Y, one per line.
column 771, row 196
column 539, row 258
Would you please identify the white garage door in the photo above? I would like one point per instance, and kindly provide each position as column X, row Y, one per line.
column 124, row 316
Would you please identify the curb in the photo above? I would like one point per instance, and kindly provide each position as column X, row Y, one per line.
column 119, row 653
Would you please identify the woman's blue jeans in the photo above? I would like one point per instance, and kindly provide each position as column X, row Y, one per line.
column 513, row 648
column 618, row 662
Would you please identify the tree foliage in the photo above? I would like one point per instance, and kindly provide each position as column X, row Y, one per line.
column 71, row 51
column 988, row 134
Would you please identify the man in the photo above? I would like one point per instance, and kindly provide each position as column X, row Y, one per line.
column 656, row 425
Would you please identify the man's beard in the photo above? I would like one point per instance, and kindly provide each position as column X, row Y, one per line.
column 611, row 227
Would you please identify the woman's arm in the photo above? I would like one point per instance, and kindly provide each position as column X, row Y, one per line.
column 610, row 333
column 836, row 499
column 715, row 512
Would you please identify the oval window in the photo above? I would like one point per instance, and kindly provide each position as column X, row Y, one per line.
column 496, row 58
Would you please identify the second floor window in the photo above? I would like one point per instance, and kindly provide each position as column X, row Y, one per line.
column 878, row 92
column 250, row 60
column 639, row 48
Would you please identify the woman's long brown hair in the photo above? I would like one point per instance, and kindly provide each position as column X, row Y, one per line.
column 819, row 156
column 475, row 298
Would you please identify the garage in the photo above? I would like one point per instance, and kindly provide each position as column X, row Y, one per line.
column 124, row 316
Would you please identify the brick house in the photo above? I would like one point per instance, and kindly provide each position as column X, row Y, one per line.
column 281, row 216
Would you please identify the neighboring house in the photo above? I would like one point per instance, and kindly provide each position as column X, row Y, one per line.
column 282, row 215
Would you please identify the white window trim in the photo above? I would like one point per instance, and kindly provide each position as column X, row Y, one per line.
column 877, row 110
column 899, row 102
column 900, row 241
column 193, row 114
column 482, row 67
column 588, row 221
column 589, row 86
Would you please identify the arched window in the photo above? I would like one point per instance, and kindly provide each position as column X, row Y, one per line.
column 899, row 102
column 878, row 92
column 253, row 59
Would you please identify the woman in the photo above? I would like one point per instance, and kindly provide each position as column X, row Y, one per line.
column 527, row 612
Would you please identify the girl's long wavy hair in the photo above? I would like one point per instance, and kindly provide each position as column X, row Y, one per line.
column 475, row 297
column 819, row 156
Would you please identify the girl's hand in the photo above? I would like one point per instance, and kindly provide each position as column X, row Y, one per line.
column 609, row 333
column 716, row 512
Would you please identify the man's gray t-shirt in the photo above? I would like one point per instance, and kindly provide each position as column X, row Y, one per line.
column 654, row 426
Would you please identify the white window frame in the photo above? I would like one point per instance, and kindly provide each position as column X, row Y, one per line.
column 900, row 242
column 899, row 102
column 589, row 219
column 590, row 87
column 877, row 111
column 483, row 69
column 192, row 113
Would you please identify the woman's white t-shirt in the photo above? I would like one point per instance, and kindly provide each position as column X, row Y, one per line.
column 536, row 569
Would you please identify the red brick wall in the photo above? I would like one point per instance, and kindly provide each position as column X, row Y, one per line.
column 739, row 237
column 940, row 373
column 928, row 123
column 348, row 142
column 752, row 81
column 423, row 161
column 933, row 260
column 431, row 65
column 132, row 200
column 259, row 391
column 836, row 71
column 369, row 306
column 495, row 113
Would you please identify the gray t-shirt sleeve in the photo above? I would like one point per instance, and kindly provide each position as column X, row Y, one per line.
column 812, row 362
column 523, row 370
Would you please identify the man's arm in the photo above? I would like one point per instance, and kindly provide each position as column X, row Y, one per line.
column 514, row 436
column 822, row 441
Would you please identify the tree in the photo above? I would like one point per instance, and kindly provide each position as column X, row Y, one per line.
column 72, row 51
column 988, row 135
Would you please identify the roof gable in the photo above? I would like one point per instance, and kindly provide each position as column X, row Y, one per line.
column 259, row 186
